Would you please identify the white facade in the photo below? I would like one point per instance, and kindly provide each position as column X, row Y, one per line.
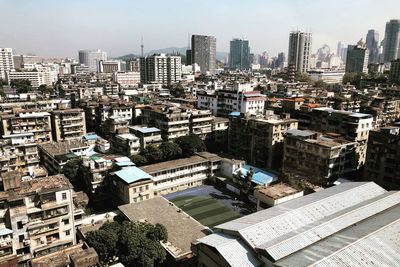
column 330, row 77
column 36, row 78
column 6, row 62
column 127, row 79
column 91, row 58
column 300, row 50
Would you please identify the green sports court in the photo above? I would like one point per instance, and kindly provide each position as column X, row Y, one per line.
column 205, row 209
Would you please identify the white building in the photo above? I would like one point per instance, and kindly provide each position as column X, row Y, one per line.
column 330, row 77
column 161, row 69
column 91, row 58
column 127, row 79
column 36, row 78
column 299, row 51
column 6, row 62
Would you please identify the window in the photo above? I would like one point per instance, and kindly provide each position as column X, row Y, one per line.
column 68, row 232
column 21, row 238
column 19, row 225
column 66, row 221
column 64, row 196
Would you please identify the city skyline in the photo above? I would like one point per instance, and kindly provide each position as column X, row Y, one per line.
column 53, row 29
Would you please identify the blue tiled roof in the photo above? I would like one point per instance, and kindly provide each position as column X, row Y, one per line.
column 234, row 113
column 132, row 174
column 260, row 177
column 148, row 130
column 91, row 136
column 124, row 163
column 5, row 231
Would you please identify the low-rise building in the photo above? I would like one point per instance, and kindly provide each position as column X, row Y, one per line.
column 147, row 135
column 272, row 195
column 200, row 123
column 127, row 144
column 127, row 79
column 176, row 175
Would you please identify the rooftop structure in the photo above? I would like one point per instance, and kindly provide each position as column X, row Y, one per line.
column 182, row 229
column 346, row 224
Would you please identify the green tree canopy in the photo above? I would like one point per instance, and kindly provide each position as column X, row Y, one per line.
column 72, row 169
column 44, row 89
column 22, row 85
column 139, row 160
column 134, row 243
column 170, row 150
column 190, row 144
column 152, row 153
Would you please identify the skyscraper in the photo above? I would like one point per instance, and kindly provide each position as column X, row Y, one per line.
column 357, row 58
column 239, row 55
column 391, row 48
column 372, row 42
column 91, row 58
column 6, row 62
column 204, row 52
column 299, row 51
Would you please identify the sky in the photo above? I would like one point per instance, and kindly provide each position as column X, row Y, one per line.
column 52, row 28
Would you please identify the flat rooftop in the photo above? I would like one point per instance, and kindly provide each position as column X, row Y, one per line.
column 182, row 229
column 277, row 191
column 173, row 164
column 60, row 148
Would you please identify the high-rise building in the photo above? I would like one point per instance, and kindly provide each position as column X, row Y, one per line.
column 341, row 51
column 160, row 68
column 391, row 48
column 394, row 74
column 372, row 43
column 204, row 52
column 357, row 58
column 239, row 56
column 299, row 51
column 91, row 58
column 6, row 62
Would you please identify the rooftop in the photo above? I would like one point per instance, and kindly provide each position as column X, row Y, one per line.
column 182, row 229
column 277, row 191
column 145, row 130
column 132, row 174
column 260, row 176
column 60, row 148
column 173, row 164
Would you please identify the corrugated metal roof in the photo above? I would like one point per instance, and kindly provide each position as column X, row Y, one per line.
column 319, row 252
column 5, row 231
column 234, row 251
column 302, row 239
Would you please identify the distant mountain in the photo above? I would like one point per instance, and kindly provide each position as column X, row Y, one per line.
column 171, row 50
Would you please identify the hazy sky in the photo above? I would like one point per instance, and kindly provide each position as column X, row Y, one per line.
column 60, row 28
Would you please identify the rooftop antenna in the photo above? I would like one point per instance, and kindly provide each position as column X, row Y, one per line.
column 142, row 46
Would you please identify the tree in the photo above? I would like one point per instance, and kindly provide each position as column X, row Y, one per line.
column 303, row 77
column 170, row 150
column 105, row 240
column 72, row 169
column 44, row 89
column 134, row 243
column 2, row 82
column 321, row 84
column 190, row 144
column 22, row 85
column 152, row 153
column 139, row 160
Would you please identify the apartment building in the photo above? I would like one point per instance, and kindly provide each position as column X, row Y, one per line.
column 200, row 123
column 318, row 158
column 258, row 140
column 68, row 124
column 39, row 215
column 224, row 101
column 162, row 69
column 126, row 144
column 132, row 185
column 147, row 135
column 382, row 163
column 127, row 79
column 35, row 77
column 109, row 66
column 6, row 62
column 42, row 105
column 172, row 121
column 180, row 174
column 56, row 154
column 350, row 125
